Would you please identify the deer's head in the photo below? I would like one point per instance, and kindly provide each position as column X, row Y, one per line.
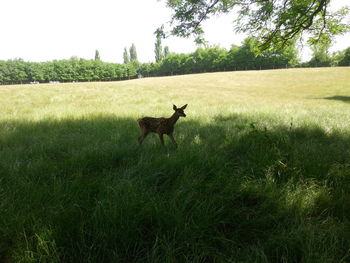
column 180, row 111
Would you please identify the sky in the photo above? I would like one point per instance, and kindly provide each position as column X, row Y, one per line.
column 45, row 30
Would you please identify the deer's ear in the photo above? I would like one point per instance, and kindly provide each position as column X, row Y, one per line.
column 174, row 107
column 184, row 106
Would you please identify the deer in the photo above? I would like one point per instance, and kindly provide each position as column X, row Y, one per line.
column 161, row 125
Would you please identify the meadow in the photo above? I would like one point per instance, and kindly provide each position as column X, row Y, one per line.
column 261, row 173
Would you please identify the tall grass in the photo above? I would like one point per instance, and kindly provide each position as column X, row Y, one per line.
column 261, row 173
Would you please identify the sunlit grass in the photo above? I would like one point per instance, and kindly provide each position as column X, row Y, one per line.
column 261, row 173
column 293, row 91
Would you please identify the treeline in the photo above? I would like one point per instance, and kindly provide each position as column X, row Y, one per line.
column 211, row 59
column 245, row 57
column 322, row 58
column 214, row 59
column 18, row 71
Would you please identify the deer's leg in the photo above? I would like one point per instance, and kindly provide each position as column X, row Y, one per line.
column 172, row 139
column 144, row 133
column 161, row 138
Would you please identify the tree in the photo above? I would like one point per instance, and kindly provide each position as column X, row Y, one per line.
column 126, row 56
column 97, row 55
column 158, row 49
column 166, row 51
column 345, row 58
column 17, row 70
column 274, row 23
column 133, row 53
column 320, row 53
column 248, row 56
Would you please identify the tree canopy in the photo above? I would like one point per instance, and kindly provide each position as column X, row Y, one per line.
column 133, row 53
column 126, row 56
column 158, row 49
column 274, row 22
column 97, row 55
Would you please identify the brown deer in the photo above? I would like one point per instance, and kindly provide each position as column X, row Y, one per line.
column 161, row 125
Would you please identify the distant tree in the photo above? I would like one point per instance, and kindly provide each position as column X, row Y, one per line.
column 5, row 77
column 158, row 49
column 320, row 52
column 249, row 56
column 174, row 64
column 17, row 70
column 126, row 56
column 133, row 53
column 35, row 71
column 345, row 57
column 97, row 55
column 166, row 51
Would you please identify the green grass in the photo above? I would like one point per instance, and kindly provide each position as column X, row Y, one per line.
column 261, row 174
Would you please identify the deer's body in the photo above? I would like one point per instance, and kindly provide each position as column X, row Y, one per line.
column 161, row 125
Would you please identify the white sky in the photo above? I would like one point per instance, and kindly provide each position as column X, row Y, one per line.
column 44, row 30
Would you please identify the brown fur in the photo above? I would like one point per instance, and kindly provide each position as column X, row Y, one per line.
column 161, row 125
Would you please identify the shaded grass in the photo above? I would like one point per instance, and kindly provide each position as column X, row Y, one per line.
column 340, row 98
column 238, row 189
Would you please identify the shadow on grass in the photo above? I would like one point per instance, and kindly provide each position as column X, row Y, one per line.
column 236, row 189
column 340, row 98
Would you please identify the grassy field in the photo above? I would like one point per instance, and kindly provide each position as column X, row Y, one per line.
column 261, row 174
